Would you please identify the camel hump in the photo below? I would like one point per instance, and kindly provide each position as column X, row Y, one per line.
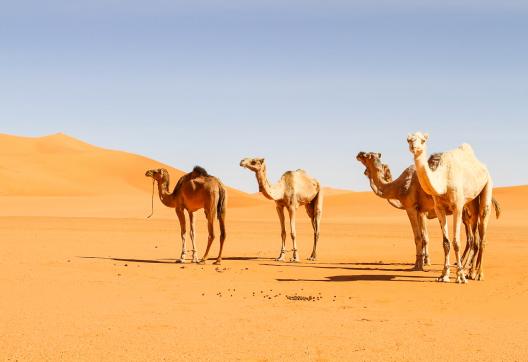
column 434, row 160
column 466, row 148
column 199, row 171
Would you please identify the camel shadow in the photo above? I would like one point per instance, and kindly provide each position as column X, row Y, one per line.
column 361, row 277
column 246, row 258
column 150, row 261
column 169, row 261
column 320, row 266
column 373, row 263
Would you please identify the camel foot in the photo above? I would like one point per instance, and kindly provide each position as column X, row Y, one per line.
column 472, row 274
column 417, row 267
column 180, row 261
column 461, row 278
column 195, row 257
column 218, row 262
column 427, row 261
column 201, row 262
column 295, row 257
column 443, row 279
column 312, row 258
column 280, row 258
column 479, row 276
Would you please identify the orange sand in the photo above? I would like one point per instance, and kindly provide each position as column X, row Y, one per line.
column 86, row 277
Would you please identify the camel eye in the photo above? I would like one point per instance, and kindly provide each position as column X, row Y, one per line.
column 253, row 162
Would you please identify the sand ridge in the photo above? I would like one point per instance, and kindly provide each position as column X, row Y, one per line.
column 62, row 166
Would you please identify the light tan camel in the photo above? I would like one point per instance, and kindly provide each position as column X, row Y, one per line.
column 194, row 191
column 294, row 189
column 459, row 178
column 406, row 193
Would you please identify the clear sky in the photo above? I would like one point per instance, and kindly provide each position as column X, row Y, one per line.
column 305, row 84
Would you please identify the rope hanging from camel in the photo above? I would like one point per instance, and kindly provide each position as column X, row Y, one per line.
column 152, row 201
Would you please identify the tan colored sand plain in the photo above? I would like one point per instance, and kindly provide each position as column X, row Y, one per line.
column 86, row 277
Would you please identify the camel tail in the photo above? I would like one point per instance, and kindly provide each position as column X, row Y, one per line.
column 497, row 207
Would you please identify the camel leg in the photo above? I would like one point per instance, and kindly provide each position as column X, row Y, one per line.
column 191, row 233
column 292, row 212
column 210, row 228
column 316, row 208
column 470, row 220
column 280, row 212
column 484, row 216
column 469, row 262
column 181, row 219
column 440, row 213
column 422, row 222
column 221, row 221
column 466, row 255
column 457, row 223
column 413, row 218
column 472, row 261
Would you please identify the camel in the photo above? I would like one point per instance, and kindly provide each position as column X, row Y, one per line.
column 406, row 193
column 459, row 178
column 194, row 191
column 294, row 189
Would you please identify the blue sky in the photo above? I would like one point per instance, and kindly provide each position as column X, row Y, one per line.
column 305, row 84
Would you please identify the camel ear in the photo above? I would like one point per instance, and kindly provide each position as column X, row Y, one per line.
column 379, row 155
column 261, row 160
column 426, row 136
column 409, row 137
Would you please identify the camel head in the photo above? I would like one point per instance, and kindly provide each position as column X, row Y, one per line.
column 158, row 174
column 253, row 164
column 417, row 142
column 372, row 162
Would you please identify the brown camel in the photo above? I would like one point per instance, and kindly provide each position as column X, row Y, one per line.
column 194, row 191
column 407, row 194
column 459, row 178
column 294, row 189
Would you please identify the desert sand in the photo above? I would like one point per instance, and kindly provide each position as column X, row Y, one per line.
column 86, row 277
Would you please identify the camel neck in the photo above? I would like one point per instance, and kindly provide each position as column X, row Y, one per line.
column 163, row 189
column 382, row 188
column 271, row 192
column 429, row 180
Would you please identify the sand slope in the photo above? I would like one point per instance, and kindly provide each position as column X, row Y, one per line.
column 73, row 172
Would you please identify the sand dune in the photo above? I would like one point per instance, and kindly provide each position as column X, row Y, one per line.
column 62, row 166
column 86, row 278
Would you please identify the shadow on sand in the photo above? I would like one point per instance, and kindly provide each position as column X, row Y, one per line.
column 364, row 277
column 407, row 268
column 154, row 261
column 246, row 258
column 169, row 261
column 361, row 267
